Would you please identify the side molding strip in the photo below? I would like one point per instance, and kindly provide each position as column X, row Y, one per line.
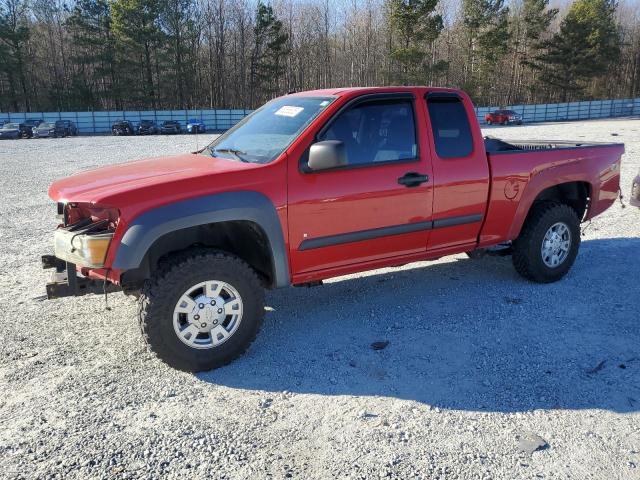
column 453, row 221
column 363, row 235
column 373, row 233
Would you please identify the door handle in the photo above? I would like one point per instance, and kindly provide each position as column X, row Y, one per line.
column 413, row 179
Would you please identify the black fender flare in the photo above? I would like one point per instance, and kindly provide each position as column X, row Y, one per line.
column 251, row 206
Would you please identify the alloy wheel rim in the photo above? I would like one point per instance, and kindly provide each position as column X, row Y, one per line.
column 556, row 245
column 207, row 314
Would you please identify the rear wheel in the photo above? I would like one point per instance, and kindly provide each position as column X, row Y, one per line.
column 548, row 244
column 201, row 311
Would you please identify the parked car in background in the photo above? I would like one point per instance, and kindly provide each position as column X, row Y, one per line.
column 147, row 127
column 26, row 127
column 170, row 126
column 10, row 130
column 123, row 127
column 196, row 126
column 67, row 127
column 635, row 191
column 59, row 128
column 503, row 117
column 44, row 130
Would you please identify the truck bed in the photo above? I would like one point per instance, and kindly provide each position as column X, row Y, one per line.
column 521, row 170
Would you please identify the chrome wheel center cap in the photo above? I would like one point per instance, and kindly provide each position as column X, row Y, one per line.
column 208, row 313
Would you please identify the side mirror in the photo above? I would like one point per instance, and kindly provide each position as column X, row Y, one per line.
column 327, row 154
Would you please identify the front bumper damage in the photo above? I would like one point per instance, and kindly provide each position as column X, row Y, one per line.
column 80, row 249
column 65, row 281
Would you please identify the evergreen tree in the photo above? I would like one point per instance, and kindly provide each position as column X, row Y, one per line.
column 92, row 55
column 270, row 48
column 414, row 25
column 137, row 38
column 486, row 25
column 14, row 34
column 528, row 25
column 537, row 17
column 586, row 45
column 182, row 34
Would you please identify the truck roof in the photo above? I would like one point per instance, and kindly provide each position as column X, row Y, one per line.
column 348, row 91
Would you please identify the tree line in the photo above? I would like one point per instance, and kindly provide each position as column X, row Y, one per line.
column 178, row 54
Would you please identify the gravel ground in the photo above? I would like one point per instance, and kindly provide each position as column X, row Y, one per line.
column 481, row 367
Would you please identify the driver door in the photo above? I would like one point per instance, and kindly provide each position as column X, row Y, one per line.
column 366, row 211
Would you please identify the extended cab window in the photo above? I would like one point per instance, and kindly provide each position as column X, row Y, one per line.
column 375, row 131
column 450, row 125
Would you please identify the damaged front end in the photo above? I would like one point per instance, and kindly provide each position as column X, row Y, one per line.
column 81, row 242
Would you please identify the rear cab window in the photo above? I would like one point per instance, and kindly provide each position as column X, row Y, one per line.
column 450, row 126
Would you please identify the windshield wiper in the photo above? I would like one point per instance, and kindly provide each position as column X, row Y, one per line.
column 236, row 153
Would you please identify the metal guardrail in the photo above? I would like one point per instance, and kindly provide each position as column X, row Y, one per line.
column 100, row 122
column 553, row 112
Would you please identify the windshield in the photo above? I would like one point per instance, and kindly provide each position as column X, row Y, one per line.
column 262, row 136
column 47, row 125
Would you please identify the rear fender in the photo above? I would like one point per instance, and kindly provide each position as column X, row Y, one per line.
column 549, row 177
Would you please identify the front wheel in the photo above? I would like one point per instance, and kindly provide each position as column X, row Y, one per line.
column 201, row 311
column 548, row 244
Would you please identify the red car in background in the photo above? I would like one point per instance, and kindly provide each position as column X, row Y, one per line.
column 503, row 117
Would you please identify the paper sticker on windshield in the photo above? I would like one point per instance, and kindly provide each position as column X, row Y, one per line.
column 289, row 111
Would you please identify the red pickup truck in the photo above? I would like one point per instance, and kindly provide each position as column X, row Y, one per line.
column 310, row 186
column 503, row 117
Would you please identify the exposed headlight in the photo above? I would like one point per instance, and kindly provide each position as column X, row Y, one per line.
column 85, row 234
column 82, row 249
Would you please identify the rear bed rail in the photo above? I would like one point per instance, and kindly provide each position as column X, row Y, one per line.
column 495, row 145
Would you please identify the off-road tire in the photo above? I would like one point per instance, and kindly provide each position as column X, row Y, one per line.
column 527, row 257
column 160, row 294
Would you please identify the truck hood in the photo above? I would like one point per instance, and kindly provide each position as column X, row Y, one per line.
column 104, row 184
